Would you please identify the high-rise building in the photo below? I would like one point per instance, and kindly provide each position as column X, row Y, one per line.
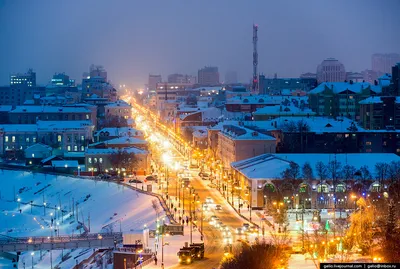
column 179, row 78
column 382, row 62
column 153, row 80
column 27, row 79
column 208, row 75
column 98, row 71
column 61, row 79
column 331, row 70
column 231, row 77
column 396, row 79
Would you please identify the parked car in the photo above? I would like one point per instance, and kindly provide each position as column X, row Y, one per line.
column 218, row 207
column 134, row 181
column 246, row 226
column 151, row 178
column 239, row 231
column 104, row 176
column 193, row 166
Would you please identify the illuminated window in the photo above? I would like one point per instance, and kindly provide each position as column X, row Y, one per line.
column 95, row 160
column 58, row 138
column 27, row 139
column 82, row 138
column 100, row 160
column 13, row 139
column 82, row 148
column 368, row 143
column 87, row 116
column 34, row 139
column 69, row 148
column 75, row 148
column 90, row 160
column 6, row 138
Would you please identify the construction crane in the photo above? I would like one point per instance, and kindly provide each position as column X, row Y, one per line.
column 255, row 59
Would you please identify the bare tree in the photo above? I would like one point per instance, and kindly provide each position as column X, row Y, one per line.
column 365, row 174
column 321, row 170
column 293, row 172
column 382, row 172
column 307, row 172
column 348, row 172
column 394, row 180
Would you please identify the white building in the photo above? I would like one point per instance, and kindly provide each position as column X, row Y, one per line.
column 331, row 70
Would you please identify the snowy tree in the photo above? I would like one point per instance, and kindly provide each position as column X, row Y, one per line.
column 123, row 159
column 334, row 170
column 382, row 172
column 394, row 178
column 307, row 172
column 321, row 170
column 391, row 235
column 361, row 231
column 260, row 255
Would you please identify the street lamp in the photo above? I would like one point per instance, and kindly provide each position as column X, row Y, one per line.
column 32, row 253
column 19, row 203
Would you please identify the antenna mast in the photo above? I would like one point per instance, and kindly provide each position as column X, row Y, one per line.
column 255, row 59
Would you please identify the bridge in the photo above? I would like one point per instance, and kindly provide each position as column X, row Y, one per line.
column 19, row 244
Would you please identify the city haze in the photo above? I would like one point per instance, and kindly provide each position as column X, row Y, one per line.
column 134, row 38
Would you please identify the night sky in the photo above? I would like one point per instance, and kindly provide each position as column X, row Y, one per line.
column 134, row 38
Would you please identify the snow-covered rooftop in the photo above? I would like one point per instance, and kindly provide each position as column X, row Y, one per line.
column 18, row 127
column 125, row 141
column 114, row 151
column 64, row 164
column 4, row 108
column 242, row 133
column 63, row 125
column 338, row 87
column 211, row 114
column 316, row 124
column 265, row 99
column 271, row 166
column 118, row 103
column 284, row 111
column 122, row 131
column 49, row 109
column 200, row 133
column 376, row 100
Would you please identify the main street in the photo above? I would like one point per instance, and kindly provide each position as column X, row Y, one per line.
column 214, row 243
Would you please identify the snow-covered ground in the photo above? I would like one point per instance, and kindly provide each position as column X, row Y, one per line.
column 109, row 206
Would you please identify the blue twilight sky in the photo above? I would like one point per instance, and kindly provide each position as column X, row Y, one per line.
column 133, row 38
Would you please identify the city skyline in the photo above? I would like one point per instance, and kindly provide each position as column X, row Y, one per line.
column 136, row 39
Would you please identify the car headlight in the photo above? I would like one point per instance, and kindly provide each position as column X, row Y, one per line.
column 188, row 260
column 179, row 259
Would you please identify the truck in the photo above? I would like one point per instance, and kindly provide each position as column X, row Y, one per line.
column 186, row 255
column 199, row 250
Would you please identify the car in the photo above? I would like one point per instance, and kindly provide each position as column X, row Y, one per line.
column 218, row 224
column 150, row 178
column 254, row 229
column 227, row 239
column 209, row 200
column 134, row 181
column 214, row 220
column 104, row 176
column 227, row 232
column 204, row 178
column 239, row 231
column 193, row 166
column 206, row 208
column 222, row 227
column 218, row 207
column 246, row 226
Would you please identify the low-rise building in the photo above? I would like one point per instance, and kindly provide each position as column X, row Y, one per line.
column 101, row 160
column 237, row 143
column 335, row 99
column 114, row 132
column 119, row 109
column 37, row 152
column 261, row 181
column 31, row 114
column 380, row 112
